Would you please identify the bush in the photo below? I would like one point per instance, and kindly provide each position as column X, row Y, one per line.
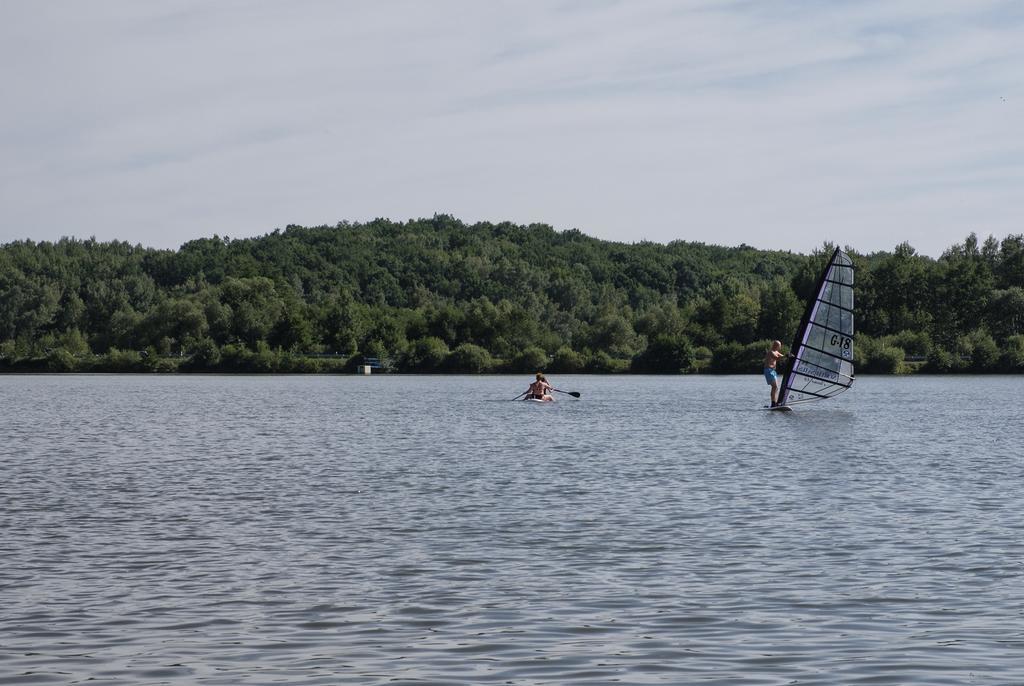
column 702, row 357
column 60, row 360
column 164, row 365
column 235, row 358
column 121, row 361
column 884, row 359
column 981, row 349
column 735, row 358
column 941, row 361
column 470, row 359
column 298, row 364
column 266, row 360
column 915, row 343
column 603, row 363
column 329, row 365
column 532, row 359
column 426, row 355
column 8, row 350
column 205, row 355
column 74, row 342
column 1012, row 359
column 567, row 361
column 879, row 356
column 665, row 354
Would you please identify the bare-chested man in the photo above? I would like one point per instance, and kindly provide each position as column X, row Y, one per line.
column 771, row 358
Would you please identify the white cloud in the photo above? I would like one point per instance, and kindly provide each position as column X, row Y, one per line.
column 775, row 124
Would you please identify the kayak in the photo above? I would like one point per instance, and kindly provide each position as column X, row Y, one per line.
column 536, row 400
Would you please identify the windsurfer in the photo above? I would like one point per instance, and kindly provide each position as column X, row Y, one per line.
column 771, row 359
column 539, row 389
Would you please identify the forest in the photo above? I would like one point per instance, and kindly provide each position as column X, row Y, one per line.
column 439, row 295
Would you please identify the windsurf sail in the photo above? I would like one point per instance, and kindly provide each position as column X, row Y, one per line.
column 823, row 347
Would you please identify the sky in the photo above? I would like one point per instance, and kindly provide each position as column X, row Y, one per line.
column 781, row 124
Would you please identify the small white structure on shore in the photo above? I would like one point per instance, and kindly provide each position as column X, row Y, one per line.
column 369, row 364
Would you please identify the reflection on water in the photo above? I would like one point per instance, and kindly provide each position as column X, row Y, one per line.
column 331, row 530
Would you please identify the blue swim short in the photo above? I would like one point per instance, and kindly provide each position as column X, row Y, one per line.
column 770, row 376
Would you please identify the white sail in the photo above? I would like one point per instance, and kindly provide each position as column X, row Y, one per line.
column 823, row 348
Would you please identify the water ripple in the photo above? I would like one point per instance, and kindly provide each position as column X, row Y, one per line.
column 338, row 530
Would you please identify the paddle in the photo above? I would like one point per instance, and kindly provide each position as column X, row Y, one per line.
column 574, row 394
column 520, row 395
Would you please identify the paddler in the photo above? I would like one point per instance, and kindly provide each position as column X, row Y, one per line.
column 539, row 389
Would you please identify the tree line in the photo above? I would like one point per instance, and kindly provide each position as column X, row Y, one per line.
column 439, row 295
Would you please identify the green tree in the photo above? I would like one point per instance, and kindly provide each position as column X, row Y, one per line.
column 426, row 355
column 882, row 358
column 1005, row 315
column 942, row 361
column 666, row 354
column 735, row 358
column 779, row 311
column 567, row 361
column 1010, row 265
column 982, row 351
column 604, row 363
column 913, row 342
column 173, row 318
column 74, row 342
column 895, row 294
column 344, row 323
column 965, row 286
column 1012, row 358
column 469, row 358
column 123, row 330
column 530, row 359
column 613, row 334
column 204, row 354
column 293, row 331
column 255, row 307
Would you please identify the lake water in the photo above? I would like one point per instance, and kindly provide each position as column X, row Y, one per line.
column 425, row 530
